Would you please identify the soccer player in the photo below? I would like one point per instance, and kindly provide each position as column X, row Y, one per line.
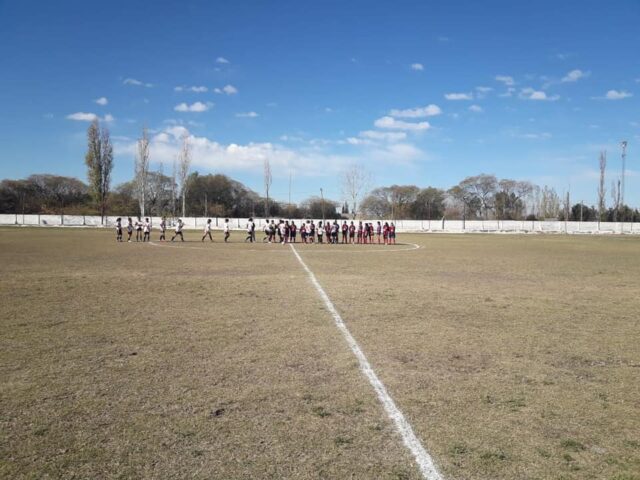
column 163, row 228
column 345, row 231
column 392, row 233
column 179, row 226
column 360, row 230
column 146, row 230
column 385, row 233
column 207, row 231
column 292, row 232
column 303, row 232
column 129, row 229
column 311, row 231
column 283, row 230
column 335, row 228
column 320, row 232
column 118, row 229
column 227, row 230
column 250, row 231
column 378, row 231
column 352, row 232
column 138, row 229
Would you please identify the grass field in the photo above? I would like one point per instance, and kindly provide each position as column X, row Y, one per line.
column 512, row 357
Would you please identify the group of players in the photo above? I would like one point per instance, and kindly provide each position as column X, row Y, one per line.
column 285, row 231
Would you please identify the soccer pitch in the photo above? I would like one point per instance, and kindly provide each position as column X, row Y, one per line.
column 509, row 357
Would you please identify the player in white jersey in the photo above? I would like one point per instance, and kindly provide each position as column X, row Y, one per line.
column 118, row 229
column 251, row 228
column 179, row 226
column 207, row 231
column 163, row 228
column 227, row 230
column 146, row 228
column 138, row 229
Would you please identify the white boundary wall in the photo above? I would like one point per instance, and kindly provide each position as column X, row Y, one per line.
column 448, row 226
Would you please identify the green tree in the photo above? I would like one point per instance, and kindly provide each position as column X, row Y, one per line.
column 99, row 161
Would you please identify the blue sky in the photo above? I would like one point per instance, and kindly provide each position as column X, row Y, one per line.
column 419, row 92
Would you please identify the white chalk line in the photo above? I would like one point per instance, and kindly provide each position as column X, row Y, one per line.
column 336, row 249
column 423, row 459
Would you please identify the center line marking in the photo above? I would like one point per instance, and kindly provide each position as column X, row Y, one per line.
column 423, row 459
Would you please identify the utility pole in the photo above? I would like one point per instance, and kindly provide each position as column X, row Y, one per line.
column 322, row 198
column 624, row 159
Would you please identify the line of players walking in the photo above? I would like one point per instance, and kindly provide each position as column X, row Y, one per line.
column 285, row 231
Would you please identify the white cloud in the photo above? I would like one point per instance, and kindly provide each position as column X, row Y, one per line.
column 617, row 95
column 227, row 89
column 82, row 117
column 221, row 60
column 328, row 110
column 417, row 66
column 101, row 101
column 138, row 83
column 475, row 108
column 386, row 136
column 247, row 115
column 178, row 89
column 509, row 93
column 209, row 154
column 443, row 39
column 458, row 96
column 109, row 118
column 483, row 91
column 534, row 136
column 508, row 81
column 358, row 141
column 418, row 112
column 531, row 94
column 194, row 89
column 574, row 76
column 393, row 124
column 194, row 107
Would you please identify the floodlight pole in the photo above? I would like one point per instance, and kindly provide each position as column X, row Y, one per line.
column 624, row 159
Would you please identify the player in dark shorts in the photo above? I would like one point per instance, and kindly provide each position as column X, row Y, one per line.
column 118, row 229
column 378, row 231
column 345, row 231
column 163, row 228
column 292, row 232
column 385, row 233
column 352, row 232
column 129, row 229
column 392, row 233
column 179, row 226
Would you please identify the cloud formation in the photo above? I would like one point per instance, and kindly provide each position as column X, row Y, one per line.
column 418, row 112
column 458, row 96
column 101, row 101
column 137, row 83
column 531, row 94
column 222, row 60
column 227, row 89
column 194, row 107
column 475, row 109
column 574, row 76
column 195, row 89
column 617, row 95
column 247, row 115
column 507, row 80
column 417, row 67
column 393, row 124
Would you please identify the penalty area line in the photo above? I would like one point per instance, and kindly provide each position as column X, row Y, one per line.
column 423, row 459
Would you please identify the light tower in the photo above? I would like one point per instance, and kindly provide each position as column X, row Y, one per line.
column 624, row 159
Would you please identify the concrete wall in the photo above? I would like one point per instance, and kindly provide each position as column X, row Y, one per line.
column 449, row 226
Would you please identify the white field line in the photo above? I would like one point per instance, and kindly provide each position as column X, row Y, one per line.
column 423, row 459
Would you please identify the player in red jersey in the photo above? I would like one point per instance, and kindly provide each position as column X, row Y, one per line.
column 352, row 232
column 360, row 230
column 392, row 233
column 385, row 233
column 345, row 231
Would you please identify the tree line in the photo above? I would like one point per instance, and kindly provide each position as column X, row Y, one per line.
column 187, row 193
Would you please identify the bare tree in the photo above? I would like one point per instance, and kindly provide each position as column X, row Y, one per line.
column 142, row 170
column 483, row 187
column 99, row 160
column 615, row 196
column 184, row 163
column 268, row 180
column 355, row 183
column 601, row 188
column 174, row 187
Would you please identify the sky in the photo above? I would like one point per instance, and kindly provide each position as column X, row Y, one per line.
column 416, row 92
